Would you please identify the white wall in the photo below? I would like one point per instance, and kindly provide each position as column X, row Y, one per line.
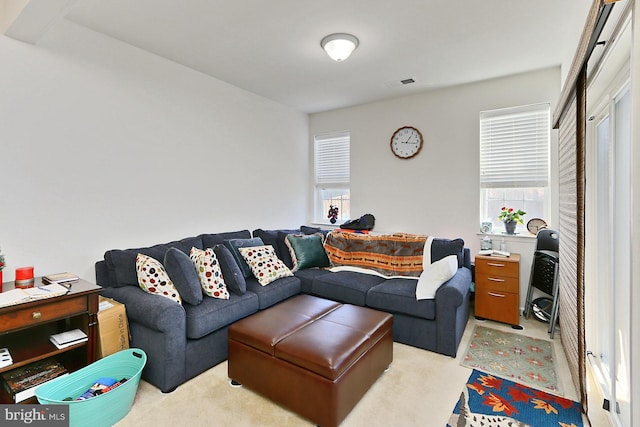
column 103, row 145
column 436, row 192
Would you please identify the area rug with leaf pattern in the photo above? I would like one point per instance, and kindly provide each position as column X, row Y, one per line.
column 517, row 357
column 487, row 400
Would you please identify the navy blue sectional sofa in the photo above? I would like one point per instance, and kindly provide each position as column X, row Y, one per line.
column 183, row 340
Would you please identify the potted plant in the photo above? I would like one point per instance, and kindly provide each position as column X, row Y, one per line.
column 511, row 218
column 333, row 214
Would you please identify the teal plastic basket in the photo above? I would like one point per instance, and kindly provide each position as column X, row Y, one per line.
column 105, row 409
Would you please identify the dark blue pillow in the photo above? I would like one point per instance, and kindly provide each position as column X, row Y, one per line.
column 231, row 273
column 441, row 248
column 234, row 244
column 122, row 262
column 183, row 274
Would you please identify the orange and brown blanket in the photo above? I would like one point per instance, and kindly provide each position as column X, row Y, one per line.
column 396, row 254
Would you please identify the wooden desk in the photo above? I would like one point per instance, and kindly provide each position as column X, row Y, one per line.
column 25, row 329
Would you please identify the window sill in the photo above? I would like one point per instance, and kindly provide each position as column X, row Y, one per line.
column 524, row 235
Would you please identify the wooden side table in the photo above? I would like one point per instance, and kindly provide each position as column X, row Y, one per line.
column 25, row 329
column 498, row 288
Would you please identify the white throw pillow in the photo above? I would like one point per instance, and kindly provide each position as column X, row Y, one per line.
column 435, row 275
column 153, row 278
column 264, row 263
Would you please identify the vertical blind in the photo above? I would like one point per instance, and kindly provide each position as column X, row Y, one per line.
column 571, row 268
column 514, row 147
column 332, row 159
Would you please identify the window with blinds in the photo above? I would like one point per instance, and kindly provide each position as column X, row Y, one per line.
column 332, row 176
column 514, row 161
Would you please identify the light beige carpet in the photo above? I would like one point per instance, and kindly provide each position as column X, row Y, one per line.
column 420, row 389
column 410, row 393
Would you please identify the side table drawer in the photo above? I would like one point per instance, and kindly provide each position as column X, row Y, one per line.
column 497, row 267
column 30, row 316
column 498, row 283
column 497, row 305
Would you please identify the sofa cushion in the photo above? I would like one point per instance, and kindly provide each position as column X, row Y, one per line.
column 210, row 240
column 234, row 244
column 312, row 230
column 209, row 273
column 153, row 279
column 121, row 263
column 435, row 275
column 307, row 276
column 441, row 248
column 307, row 251
column 265, row 265
column 213, row 313
column 399, row 296
column 345, row 286
column 278, row 290
column 183, row 275
column 231, row 273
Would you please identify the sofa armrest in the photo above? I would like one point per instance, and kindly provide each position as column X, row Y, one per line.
column 452, row 312
column 454, row 292
column 152, row 311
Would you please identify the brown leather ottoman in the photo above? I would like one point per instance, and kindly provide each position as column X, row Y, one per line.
column 313, row 356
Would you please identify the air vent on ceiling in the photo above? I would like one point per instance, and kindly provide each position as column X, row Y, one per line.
column 396, row 83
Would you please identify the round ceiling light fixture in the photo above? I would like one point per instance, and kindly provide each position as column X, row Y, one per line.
column 339, row 46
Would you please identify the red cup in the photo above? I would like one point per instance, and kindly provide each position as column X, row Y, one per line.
column 24, row 277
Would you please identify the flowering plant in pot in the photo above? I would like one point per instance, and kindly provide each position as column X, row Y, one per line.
column 333, row 214
column 2, row 264
column 511, row 217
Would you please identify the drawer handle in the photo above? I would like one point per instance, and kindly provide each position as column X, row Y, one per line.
column 493, row 264
column 36, row 315
column 493, row 279
column 496, row 295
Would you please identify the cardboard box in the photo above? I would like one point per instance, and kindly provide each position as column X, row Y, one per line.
column 113, row 327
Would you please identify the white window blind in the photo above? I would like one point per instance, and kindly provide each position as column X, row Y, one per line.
column 514, row 147
column 332, row 159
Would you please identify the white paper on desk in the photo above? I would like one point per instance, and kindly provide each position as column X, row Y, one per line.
column 46, row 291
column 18, row 296
column 14, row 296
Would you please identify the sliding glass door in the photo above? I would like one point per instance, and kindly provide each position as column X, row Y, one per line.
column 608, row 276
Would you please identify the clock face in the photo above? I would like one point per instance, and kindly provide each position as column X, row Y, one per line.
column 536, row 224
column 406, row 142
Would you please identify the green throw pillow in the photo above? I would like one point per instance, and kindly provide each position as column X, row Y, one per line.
column 307, row 251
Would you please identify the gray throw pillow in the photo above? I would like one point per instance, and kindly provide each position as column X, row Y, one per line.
column 234, row 244
column 231, row 273
column 183, row 274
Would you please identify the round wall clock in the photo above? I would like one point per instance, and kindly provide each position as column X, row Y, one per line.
column 406, row 142
column 536, row 224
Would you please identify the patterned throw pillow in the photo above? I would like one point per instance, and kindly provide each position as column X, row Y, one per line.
column 153, row 278
column 209, row 273
column 264, row 263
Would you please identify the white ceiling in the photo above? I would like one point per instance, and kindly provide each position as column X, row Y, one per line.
column 272, row 48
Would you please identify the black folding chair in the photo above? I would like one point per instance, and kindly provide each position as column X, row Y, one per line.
column 544, row 273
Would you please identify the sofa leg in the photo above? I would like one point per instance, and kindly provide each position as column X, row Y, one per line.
column 169, row 391
column 388, row 369
column 234, row 383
